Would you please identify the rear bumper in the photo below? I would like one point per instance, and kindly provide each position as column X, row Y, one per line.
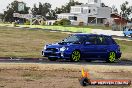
column 118, row 54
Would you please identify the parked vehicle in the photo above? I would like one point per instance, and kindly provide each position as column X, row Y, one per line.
column 84, row 46
column 128, row 32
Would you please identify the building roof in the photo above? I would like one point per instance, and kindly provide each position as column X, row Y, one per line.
column 84, row 5
column 119, row 16
column 67, row 14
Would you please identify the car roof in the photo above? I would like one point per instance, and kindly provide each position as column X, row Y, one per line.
column 92, row 34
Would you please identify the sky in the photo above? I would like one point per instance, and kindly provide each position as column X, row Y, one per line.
column 59, row 3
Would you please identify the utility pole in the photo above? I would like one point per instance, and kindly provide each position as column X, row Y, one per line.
column 121, row 22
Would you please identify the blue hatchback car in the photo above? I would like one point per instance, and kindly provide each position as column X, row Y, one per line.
column 127, row 32
column 84, row 47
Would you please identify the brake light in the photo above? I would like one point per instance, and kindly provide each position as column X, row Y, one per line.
column 118, row 48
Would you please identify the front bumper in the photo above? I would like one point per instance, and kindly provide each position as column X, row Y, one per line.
column 58, row 55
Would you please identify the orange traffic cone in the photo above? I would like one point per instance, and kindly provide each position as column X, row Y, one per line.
column 85, row 79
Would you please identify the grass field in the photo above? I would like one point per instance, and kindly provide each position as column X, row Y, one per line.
column 29, row 43
column 62, row 28
column 25, row 43
column 126, row 48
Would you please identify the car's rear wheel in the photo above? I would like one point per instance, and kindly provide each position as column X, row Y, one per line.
column 111, row 57
column 75, row 56
column 52, row 59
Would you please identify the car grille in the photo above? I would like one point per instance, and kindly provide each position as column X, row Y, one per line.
column 52, row 49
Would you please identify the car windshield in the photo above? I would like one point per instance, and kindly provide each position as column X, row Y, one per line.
column 74, row 39
column 129, row 29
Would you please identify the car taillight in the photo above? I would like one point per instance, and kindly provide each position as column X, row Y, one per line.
column 118, row 48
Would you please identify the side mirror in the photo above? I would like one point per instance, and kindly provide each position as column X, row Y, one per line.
column 88, row 43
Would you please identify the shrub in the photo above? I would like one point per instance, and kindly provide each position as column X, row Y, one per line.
column 81, row 23
column 42, row 23
column 56, row 23
column 63, row 22
column 27, row 23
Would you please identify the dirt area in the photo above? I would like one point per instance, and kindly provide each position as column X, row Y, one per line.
column 29, row 75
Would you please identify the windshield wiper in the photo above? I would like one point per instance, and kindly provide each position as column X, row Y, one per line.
column 64, row 42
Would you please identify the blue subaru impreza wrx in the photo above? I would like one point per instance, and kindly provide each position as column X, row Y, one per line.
column 84, row 47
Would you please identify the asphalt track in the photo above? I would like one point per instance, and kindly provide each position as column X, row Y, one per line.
column 46, row 61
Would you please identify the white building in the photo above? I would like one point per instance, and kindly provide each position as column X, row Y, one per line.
column 90, row 13
column 50, row 22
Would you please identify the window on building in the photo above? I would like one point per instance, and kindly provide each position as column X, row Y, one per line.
column 73, row 10
column 96, row 1
column 85, row 11
column 81, row 10
column 75, row 18
column 89, row 11
column 72, row 18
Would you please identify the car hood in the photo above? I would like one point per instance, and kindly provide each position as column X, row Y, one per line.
column 57, row 45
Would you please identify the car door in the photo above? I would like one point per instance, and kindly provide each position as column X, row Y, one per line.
column 101, row 47
column 89, row 50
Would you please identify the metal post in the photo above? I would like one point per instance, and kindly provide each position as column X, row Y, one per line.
column 121, row 22
column 96, row 20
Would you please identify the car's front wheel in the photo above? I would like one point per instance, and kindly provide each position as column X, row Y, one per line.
column 75, row 56
column 131, row 34
column 52, row 59
column 111, row 57
column 124, row 35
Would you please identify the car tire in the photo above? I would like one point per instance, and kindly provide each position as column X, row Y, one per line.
column 52, row 59
column 131, row 35
column 75, row 56
column 111, row 58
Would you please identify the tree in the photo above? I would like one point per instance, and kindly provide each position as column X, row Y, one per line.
column 13, row 8
column 51, row 15
column 71, row 3
column 66, row 8
column 43, row 9
column 58, row 10
column 34, row 10
column 46, row 9
column 1, row 16
column 102, row 5
column 114, row 9
column 126, row 10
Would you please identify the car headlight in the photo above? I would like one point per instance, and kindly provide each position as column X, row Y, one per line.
column 45, row 47
column 63, row 49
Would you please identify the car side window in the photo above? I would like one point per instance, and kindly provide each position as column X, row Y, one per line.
column 101, row 40
column 92, row 39
column 109, row 40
